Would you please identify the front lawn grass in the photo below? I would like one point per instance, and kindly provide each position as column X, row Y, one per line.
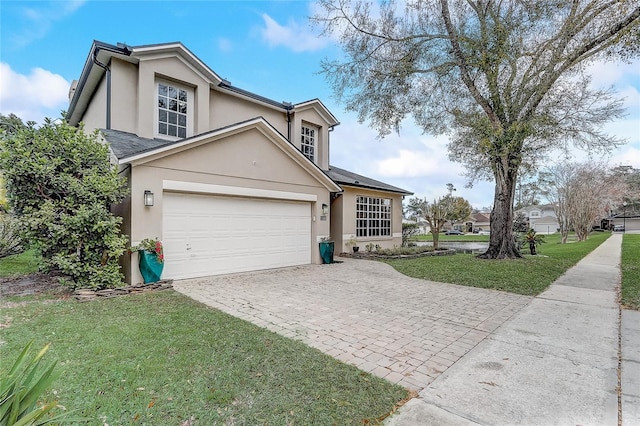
column 19, row 264
column 161, row 359
column 528, row 276
column 630, row 266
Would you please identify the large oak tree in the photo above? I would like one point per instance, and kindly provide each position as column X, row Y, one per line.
column 506, row 79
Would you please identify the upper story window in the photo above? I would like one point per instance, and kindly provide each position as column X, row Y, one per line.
column 174, row 110
column 308, row 142
column 373, row 217
column 534, row 213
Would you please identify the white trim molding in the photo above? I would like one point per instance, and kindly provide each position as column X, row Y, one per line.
column 237, row 191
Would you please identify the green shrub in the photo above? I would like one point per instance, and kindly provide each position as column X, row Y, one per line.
column 408, row 231
column 61, row 183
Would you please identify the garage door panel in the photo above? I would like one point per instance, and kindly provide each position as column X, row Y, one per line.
column 208, row 235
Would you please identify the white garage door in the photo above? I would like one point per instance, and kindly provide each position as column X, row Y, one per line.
column 212, row 235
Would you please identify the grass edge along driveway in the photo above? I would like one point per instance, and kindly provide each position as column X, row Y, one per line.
column 162, row 358
column 528, row 276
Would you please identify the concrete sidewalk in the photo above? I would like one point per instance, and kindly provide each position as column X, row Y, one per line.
column 553, row 363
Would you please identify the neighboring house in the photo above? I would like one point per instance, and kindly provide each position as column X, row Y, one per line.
column 423, row 226
column 476, row 221
column 479, row 221
column 542, row 219
column 238, row 182
column 630, row 220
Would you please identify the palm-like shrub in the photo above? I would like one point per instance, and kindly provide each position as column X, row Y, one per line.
column 23, row 386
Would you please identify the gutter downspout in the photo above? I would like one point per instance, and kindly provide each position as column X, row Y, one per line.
column 289, row 107
column 108, row 71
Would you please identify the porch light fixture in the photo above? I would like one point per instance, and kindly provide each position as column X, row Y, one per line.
column 148, row 198
column 325, row 209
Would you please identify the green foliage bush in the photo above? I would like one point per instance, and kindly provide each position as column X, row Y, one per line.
column 10, row 240
column 408, row 231
column 60, row 181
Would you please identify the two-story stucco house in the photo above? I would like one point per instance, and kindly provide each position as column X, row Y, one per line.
column 229, row 180
column 542, row 219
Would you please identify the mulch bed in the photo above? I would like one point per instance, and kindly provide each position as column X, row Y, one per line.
column 33, row 284
column 374, row 255
column 40, row 283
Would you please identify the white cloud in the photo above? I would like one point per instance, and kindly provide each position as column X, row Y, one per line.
column 295, row 36
column 417, row 164
column 628, row 156
column 607, row 74
column 225, row 45
column 38, row 22
column 32, row 97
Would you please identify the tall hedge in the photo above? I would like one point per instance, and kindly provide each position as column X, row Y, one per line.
column 60, row 181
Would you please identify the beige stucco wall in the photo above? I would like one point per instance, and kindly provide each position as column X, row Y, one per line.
column 349, row 218
column 244, row 160
column 176, row 70
column 124, row 96
column 336, row 213
column 95, row 117
column 311, row 116
column 226, row 109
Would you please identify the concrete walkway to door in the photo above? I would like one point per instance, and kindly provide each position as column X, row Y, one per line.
column 406, row 330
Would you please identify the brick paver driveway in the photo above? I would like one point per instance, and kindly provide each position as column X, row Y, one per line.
column 364, row 313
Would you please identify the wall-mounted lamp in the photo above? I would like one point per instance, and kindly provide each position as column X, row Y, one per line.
column 148, row 198
column 325, row 209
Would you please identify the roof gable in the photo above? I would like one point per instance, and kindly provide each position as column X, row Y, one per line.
column 147, row 150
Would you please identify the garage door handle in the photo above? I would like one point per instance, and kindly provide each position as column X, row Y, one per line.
column 188, row 248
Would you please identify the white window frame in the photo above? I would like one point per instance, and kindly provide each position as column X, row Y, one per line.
column 373, row 217
column 535, row 213
column 188, row 115
column 308, row 141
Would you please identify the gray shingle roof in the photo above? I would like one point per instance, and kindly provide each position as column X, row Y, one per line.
column 125, row 144
column 345, row 177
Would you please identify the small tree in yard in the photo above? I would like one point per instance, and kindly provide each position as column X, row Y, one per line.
column 436, row 214
column 61, row 183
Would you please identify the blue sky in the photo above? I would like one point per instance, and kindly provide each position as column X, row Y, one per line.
column 266, row 47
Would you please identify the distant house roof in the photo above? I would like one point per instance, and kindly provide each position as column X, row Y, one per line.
column 481, row 217
column 345, row 177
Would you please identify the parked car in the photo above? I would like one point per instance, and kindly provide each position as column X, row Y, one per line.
column 483, row 232
column 618, row 228
column 453, row 232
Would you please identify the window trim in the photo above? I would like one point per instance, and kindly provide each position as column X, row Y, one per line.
column 375, row 220
column 314, row 141
column 189, row 105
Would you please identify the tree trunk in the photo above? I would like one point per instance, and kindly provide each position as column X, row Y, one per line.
column 502, row 242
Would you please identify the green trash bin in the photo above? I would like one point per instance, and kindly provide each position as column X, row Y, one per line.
column 326, row 251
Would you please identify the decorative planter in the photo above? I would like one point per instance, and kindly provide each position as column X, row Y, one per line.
column 149, row 266
column 326, row 251
column 355, row 249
